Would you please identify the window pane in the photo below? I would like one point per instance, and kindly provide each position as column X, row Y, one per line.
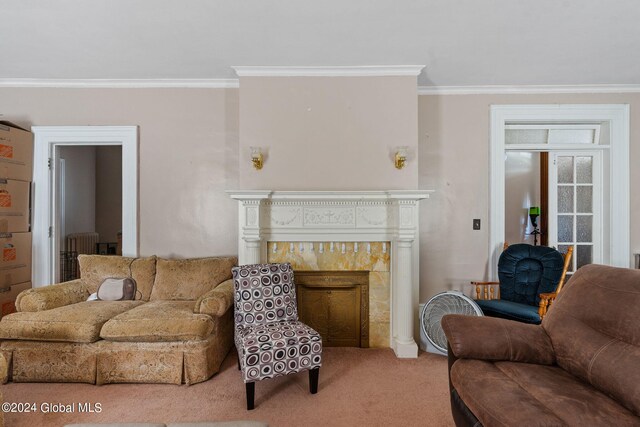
column 585, row 199
column 525, row 136
column 565, row 228
column 584, row 170
column 565, row 198
column 584, row 255
column 584, row 228
column 565, row 170
column 571, row 136
column 563, row 250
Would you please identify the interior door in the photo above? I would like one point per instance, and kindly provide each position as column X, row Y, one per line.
column 575, row 205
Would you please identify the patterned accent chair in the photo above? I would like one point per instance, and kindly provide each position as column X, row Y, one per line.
column 270, row 340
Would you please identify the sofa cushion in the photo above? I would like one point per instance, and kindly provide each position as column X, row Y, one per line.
column 543, row 395
column 95, row 268
column 159, row 321
column 188, row 279
column 593, row 325
column 80, row 322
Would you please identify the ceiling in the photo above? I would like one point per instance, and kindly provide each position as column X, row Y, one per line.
column 461, row 42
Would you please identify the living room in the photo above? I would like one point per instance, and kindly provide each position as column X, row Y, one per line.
column 368, row 141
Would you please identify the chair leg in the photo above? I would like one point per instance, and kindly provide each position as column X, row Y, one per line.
column 313, row 380
column 251, row 391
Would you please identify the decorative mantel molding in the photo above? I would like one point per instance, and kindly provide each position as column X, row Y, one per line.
column 353, row 216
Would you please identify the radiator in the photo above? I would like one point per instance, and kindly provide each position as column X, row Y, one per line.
column 82, row 243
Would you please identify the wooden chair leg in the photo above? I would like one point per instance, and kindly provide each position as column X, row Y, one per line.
column 251, row 391
column 313, row 380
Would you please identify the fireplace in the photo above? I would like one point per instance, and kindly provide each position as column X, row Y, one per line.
column 340, row 221
column 336, row 304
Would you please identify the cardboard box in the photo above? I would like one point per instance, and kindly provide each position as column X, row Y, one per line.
column 15, row 258
column 14, row 206
column 16, row 152
column 8, row 297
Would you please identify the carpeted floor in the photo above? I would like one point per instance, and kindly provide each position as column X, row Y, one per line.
column 368, row 387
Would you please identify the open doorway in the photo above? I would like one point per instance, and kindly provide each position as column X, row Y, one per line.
column 88, row 181
column 49, row 206
column 570, row 163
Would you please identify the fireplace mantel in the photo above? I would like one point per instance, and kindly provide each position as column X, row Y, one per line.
column 342, row 216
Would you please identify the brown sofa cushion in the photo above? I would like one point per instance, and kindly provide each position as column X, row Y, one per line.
column 95, row 268
column 593, row 325
column 511, row 393
column 79, row 322
column 188, row 279
column 159, row 321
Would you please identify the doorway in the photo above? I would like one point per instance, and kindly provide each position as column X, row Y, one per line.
column 566, row 135
column 51, row 191
column 88, row 187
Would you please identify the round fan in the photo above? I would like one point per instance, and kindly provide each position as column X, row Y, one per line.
column 449, row 302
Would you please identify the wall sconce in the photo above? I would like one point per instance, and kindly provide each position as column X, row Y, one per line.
column 256, row 157
column 401, row 157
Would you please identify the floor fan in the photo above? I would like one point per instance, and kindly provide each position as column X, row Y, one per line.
column 449, row 302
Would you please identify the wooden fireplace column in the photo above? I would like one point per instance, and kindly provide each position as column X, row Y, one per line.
column 336, row 304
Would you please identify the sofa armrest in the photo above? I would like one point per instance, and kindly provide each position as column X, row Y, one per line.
column 48, row 297
column 217, row 301
column 491, row 338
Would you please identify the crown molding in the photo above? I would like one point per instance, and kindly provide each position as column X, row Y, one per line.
column 409, row 70
column 526, row 89
column 121, row 83
column 338, row 71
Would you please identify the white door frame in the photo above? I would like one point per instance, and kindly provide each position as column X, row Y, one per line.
column 618, row 117
column 47, row 138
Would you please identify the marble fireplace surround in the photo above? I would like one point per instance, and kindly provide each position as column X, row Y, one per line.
column 342, row 216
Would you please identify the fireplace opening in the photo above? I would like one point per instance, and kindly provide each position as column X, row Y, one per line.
column 336, row 304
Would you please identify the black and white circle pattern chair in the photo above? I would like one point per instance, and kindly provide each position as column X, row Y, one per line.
column 270, row 339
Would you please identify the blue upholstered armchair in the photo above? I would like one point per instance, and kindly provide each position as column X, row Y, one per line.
column 530, row 279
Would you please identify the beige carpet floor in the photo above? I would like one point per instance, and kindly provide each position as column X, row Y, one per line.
column 358, row 387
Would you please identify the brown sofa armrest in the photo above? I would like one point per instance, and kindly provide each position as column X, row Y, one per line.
column 48, row 297
column 217, row 301
column 491, row 338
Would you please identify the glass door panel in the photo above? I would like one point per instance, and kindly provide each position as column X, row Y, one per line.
column 575, row 206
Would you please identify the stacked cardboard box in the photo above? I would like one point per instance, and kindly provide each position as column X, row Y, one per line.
column 16, row 169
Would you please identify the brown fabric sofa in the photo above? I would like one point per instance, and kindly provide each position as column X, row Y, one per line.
column 178, row 331
column 580, row 367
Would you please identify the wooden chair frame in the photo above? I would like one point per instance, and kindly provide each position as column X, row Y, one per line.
column 486, row 289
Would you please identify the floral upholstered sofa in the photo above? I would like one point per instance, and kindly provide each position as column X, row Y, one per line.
column 179, row 329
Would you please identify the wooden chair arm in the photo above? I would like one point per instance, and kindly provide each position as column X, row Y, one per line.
column 545, row 301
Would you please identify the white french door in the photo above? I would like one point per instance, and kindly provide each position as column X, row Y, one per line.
column 575, row 205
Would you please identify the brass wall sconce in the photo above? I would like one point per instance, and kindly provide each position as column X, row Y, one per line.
column 400, row 157
column 256, row 157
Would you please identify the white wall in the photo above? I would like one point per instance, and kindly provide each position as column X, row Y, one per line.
column 328, row 133
column 80, row 189
column 188, row 149
column 522, row 190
